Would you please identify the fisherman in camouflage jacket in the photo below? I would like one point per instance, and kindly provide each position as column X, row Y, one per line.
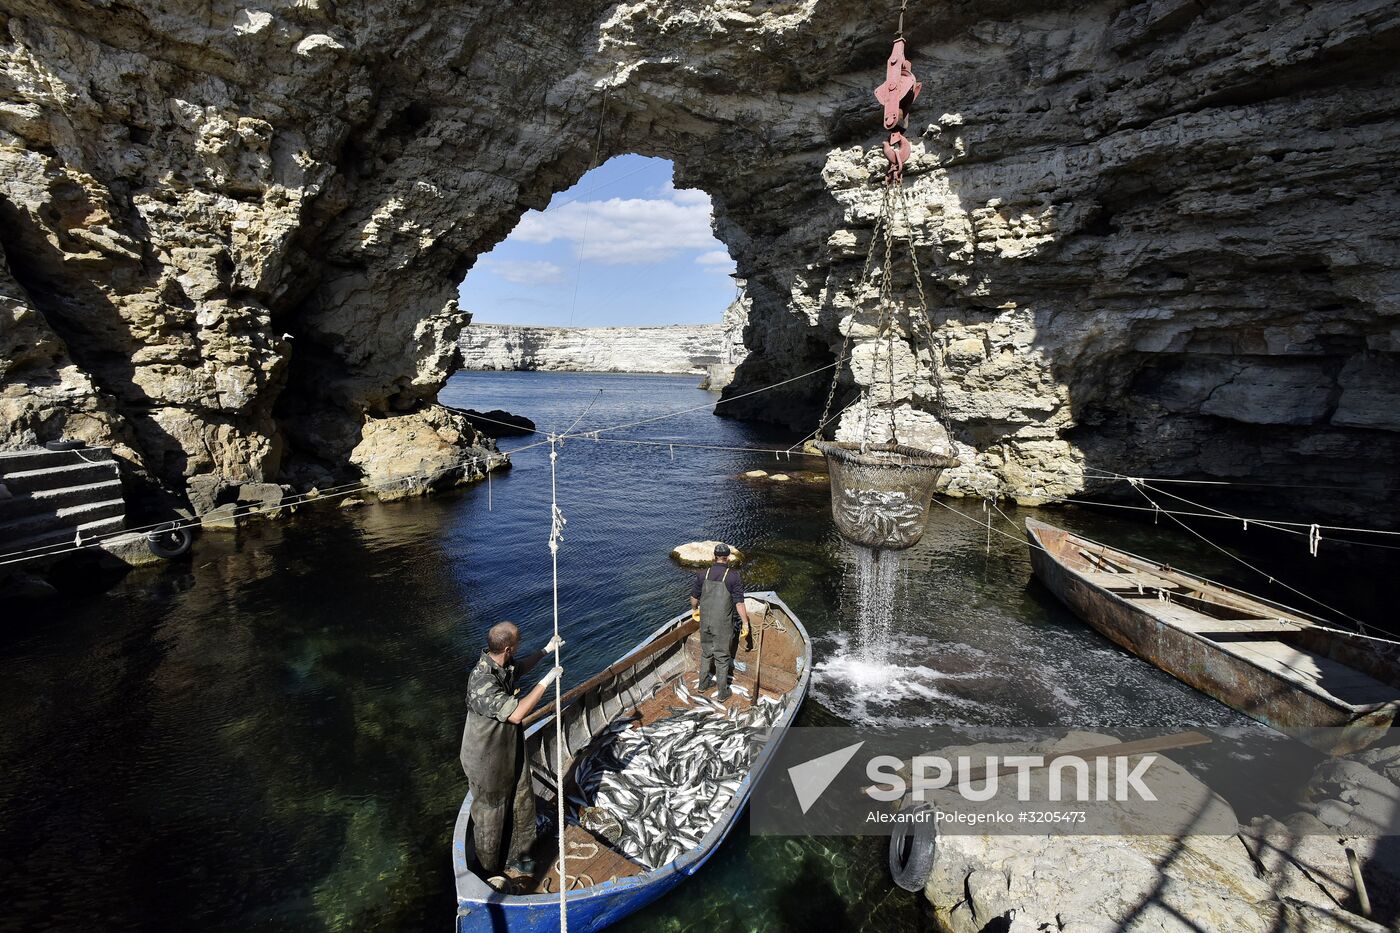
column 493, row 751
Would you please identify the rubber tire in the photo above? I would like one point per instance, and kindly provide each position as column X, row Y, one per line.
column 913, row 847
column 171, row 543
column 61, row 446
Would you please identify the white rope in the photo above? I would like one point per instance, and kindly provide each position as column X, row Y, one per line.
column 50, row 550
column 723, row 401
column 1109, row 474
column 306, row 498
column 556, row 534
column 1235, row 557
column 594, row 434
column 1219, row 516
column 1272, row 523
column 1313, row 621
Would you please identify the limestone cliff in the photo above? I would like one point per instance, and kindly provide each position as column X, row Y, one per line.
column 679, row 348
column 1157, row 237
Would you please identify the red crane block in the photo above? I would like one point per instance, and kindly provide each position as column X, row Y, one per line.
column 897, row 93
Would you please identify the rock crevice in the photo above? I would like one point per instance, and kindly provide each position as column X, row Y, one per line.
column 1156, row 237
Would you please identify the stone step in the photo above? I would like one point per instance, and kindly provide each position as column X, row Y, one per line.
column 69, row 518
column 55, row 537
column 56, row 477
column 17, row 461
column 51, row 500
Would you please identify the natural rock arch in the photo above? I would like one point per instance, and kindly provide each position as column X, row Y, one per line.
column 233, row 232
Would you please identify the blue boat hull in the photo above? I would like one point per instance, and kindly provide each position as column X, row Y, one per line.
column 587, row 912
column 596, row 907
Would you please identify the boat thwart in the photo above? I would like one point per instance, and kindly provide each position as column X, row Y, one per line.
column 636, row 710
column 1335, row 690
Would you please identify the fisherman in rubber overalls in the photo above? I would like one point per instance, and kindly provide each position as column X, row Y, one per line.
column 493, row 751
column 717, row 594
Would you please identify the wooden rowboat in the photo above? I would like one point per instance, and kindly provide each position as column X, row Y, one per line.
column 607, row 885
column 1336, row 691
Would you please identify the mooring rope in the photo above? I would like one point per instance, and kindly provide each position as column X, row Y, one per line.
column 1273, row 523
column 346, row 489
column 1235, row 557
column 1314, row 621
column 556, row 534
column 306, row 498
column 1109, row 474
column 1213, row 516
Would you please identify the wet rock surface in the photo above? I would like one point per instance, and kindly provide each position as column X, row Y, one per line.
column 702, row 554
column 1154, row 237
column 1269, row 876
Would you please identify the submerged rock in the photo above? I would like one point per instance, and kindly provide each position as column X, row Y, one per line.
column 702, row 554
column 221, row 518
column 131, row 549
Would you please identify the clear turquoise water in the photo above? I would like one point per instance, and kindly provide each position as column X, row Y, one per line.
column 266, row 737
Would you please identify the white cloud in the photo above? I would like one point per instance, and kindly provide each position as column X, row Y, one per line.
column 525, row 272
column 625, row 231
column 670, row 192
column 717, row 262
column 715, row 257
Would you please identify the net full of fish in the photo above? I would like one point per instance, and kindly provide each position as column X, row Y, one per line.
column 654, row 791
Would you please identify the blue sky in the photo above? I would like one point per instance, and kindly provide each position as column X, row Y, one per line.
column 621, row 247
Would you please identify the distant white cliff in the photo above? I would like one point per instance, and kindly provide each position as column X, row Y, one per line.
column 712, row 350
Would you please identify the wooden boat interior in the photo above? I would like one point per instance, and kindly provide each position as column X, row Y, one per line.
column 1356, row 671
column 642, row 688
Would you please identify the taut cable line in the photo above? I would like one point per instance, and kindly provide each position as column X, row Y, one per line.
column 1240, row 560
column 556, row 535
column 58, row 548
column 1316, row 621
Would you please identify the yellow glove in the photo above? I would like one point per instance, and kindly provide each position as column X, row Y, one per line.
column 695, row 614
column 744, row 632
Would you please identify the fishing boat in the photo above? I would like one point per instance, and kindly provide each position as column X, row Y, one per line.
column 1337, row 691
column 651, row 687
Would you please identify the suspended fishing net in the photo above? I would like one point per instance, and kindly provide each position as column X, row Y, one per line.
column 880, row 495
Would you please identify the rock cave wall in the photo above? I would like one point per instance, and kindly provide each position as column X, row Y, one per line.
column 1157, row 237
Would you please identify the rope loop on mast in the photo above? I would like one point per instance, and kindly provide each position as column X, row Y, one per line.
column 556, row 535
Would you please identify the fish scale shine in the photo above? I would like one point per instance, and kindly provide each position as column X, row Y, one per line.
column 665, row 785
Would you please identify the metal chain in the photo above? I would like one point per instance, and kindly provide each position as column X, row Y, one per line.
column 881, row 221
column 935, row 367
column 874, row 371
column 883, row 328
column 888, row 273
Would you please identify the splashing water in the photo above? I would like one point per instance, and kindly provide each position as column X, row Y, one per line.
column 876, row 586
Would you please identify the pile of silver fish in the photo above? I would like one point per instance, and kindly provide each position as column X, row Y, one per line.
column 654, row 791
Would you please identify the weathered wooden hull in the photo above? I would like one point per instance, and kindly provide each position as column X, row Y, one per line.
column 1200, row 662
column 483, row 910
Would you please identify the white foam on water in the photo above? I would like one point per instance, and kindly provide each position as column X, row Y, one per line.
column 876, row 692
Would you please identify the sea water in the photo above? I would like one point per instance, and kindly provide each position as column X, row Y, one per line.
column 265, row 736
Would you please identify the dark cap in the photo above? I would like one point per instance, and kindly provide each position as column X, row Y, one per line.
column 721, row 550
